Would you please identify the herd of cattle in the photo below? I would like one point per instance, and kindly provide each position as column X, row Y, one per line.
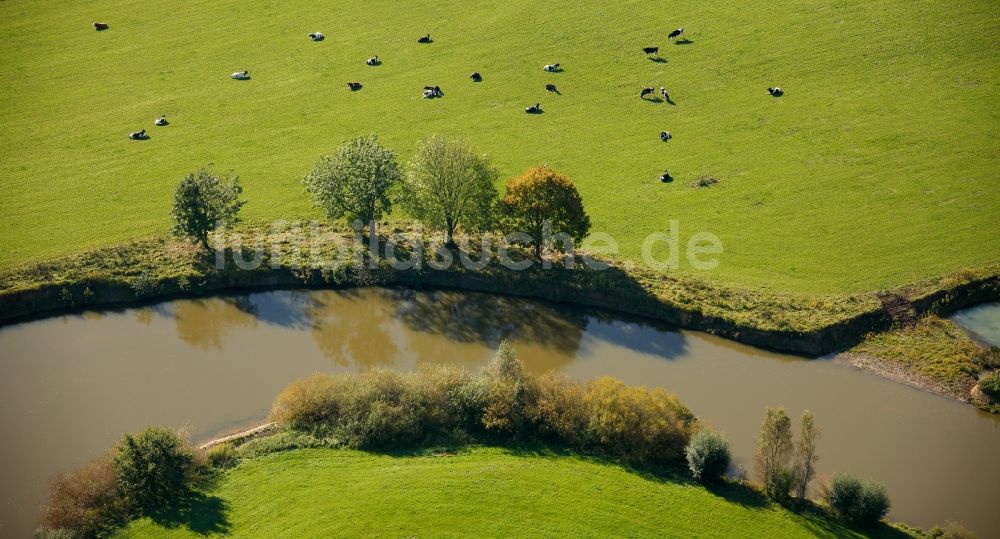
column 435, row 91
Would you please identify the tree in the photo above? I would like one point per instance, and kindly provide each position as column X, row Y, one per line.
column 204, row 201
column 355, row 182
column 153, row 467
column 450, row 186
column 805, row 458
column 774, row 451
column 857, row 502
column 543, row 195
column 708, row 456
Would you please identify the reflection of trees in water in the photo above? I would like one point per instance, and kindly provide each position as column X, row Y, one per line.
column 352, row 328
column 486, row 319
column 203, row 323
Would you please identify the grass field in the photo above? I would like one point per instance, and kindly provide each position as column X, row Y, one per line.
column 483, row 492
column 877, row 167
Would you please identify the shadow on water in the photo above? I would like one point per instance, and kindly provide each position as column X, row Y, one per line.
column 195, row 511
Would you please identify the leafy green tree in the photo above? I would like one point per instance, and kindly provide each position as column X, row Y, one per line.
column 708, row 456
column 153, row 467
column 858, row 502
column 355, row 182
column 805, row 454
column 204, row 201
column 450, row 186
column 543, row 195
column 774, row 451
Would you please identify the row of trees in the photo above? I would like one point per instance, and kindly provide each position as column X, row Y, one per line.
column 447, row 186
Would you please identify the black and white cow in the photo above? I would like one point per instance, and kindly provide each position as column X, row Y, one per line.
column 138, row 135
column 551, row 67
column 373, row 61
column 665, row 136
column 676, row 33
column 476, row 77
column 317, row 36
column 651, row 50
column 646, row 91
column 241, row 75
column 534, row 109
column 425, row 39
column 775, row 92
column 162, row 120
column 354, row 86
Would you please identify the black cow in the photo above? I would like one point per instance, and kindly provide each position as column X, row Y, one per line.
column 354, row 86
column 534, row 109
column 651, row 50
column 666, row 177
column 425, row 39
column 551, row 88
column 646, row 91
column 476, row 77
column 100, row 26
column 676, row 33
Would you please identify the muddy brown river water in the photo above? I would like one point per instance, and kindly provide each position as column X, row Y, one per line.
column 71, row 385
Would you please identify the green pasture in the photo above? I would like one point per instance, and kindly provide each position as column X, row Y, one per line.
column 877, row 167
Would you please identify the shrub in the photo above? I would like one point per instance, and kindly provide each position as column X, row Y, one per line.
column 708, row 456
column 857, row 502
column 153, row 467
column 636, row 423
column 989, row 358
column 81, row 502
column 383, row 409
column 222, row 456
column 990, row 385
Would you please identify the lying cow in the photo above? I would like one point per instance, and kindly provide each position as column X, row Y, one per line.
column 373, row 61
column 551, row 67
column 100, row 26
column 161, row 121
column 354, row 86
column 476, row 77
column 241, row 75
column 775, row 92
column 534, row 109
column 665, row 136
column 425, row 39
column 317, row 36
column 649, row 90
column 138, row 135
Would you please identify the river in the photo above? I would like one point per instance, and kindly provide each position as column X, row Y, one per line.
column 71, row 385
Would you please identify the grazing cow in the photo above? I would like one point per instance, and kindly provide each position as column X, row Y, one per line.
column 354, row 86
column 651, row 50
column 425, row 39
column 534, row 109
column 663, row 92
column 775, row 92
column 646, row 91
column 551, row 88
column 476, row 77
column 665, row 136
column 317, row 36
column 373, row 61
column 162, row 120
column 676, row 33
column 666, row 177
column 100, row 26
column 551, row 67
column 138, row 135
column 241, row 75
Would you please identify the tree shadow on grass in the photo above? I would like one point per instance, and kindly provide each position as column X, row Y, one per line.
column 196, row 511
